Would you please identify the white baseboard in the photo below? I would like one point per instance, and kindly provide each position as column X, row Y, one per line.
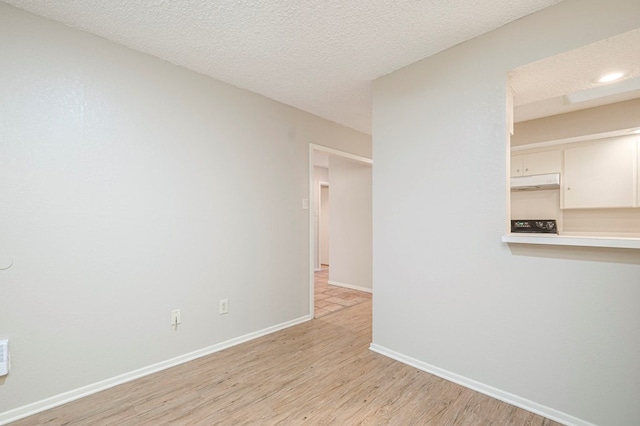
column 352, row 287
column 63, row 398
column 507, row 397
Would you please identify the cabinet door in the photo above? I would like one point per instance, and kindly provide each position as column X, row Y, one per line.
column 601, row 174
column 516, row 165
column 540, row 163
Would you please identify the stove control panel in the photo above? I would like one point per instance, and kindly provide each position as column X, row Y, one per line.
column 535, row 226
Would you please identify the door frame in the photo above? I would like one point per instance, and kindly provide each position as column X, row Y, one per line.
column 338, row 153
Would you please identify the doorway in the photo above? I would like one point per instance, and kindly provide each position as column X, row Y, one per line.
column 340, row 230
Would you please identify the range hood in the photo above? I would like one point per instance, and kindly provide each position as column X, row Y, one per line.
column 535, row 182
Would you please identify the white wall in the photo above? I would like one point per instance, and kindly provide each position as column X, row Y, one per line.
column 350, row 224
column 324, row 225
column 131, row 187
column 320, row 174
column 551, row 328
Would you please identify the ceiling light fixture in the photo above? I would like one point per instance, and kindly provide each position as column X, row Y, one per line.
column 610, row 77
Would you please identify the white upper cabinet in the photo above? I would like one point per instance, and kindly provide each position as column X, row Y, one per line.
column 601, row 174
column 538, row 163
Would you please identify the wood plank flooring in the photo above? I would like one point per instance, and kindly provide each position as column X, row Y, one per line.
column 330, row 298
column 317, row 373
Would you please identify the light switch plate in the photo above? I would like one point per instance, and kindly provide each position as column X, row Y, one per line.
column 223, row 306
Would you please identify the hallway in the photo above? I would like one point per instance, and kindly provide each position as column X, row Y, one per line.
column 330, row 298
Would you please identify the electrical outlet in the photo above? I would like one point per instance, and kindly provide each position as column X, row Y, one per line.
column 176, row 318
column 223, row 307
column 4, row 357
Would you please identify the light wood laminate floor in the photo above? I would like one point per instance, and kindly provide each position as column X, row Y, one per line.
column 316, row 373
column 330, row 298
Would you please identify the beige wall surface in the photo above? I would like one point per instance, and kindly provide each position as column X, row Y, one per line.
column 324, row 225
column 350, row 223
column 551, row 329
column 618, row 116
column 320, row 174
column 131, row 187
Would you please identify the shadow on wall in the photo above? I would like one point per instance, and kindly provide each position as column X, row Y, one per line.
column 593, row 254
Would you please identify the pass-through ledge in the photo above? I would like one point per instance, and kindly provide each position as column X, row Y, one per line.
column 617, row 241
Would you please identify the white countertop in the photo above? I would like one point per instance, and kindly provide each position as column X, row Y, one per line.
column 574, row 240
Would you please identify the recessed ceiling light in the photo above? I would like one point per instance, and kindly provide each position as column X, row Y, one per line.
column 611, row 76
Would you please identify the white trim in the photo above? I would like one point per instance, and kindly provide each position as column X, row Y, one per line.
column 584, row 138
column 635, row 173
column 573, row 240
column 504, row 396
column 340, row 153
column 63, row 398
column 312, row 236
column 352, row 287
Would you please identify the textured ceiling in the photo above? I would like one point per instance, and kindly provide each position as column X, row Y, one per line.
column 540, row 87
column 316, row 55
